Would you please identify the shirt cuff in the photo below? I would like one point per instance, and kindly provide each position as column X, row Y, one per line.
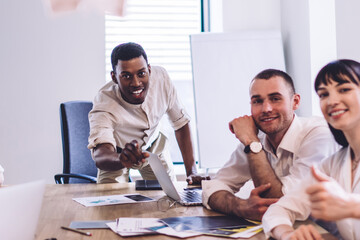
column 211, row 186
column 182, row 121
column 274, row 216
column 101, row 137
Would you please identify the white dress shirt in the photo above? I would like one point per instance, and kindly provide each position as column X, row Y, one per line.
column 115, row 121
column 308, row 140
column 296, row 206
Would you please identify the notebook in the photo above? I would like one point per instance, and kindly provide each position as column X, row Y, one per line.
column 20, row 208
column 187, row 198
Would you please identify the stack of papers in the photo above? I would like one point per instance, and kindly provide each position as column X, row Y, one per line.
column 126, row 227
column 183, row 227
column 134, row 226
column 224, row 226
column 245, row 232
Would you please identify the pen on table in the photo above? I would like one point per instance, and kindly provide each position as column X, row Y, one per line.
column 77, row 231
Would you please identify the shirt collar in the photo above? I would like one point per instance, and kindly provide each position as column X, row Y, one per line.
column 288, row 142
column 122, row 101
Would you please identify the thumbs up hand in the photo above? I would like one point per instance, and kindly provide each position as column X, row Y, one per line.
column 328, row 199
column 318, row 175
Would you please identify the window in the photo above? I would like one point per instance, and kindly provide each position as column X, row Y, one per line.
column 162, row 27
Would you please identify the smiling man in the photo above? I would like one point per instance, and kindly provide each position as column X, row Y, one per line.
column 124, row 121
column 276, row 149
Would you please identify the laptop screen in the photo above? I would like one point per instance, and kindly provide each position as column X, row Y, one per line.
column 20, row 208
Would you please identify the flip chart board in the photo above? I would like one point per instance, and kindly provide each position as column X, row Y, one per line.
column 223, row 65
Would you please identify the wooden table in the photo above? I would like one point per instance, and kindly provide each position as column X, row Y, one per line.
column 59, row 209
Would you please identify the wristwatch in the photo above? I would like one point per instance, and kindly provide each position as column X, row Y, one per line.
column 254, row 147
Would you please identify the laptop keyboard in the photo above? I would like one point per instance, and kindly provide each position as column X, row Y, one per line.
column 190, row 196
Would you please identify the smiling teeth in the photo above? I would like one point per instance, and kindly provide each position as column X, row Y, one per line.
column 337, row 113
column 268, row 119
column 137, row 92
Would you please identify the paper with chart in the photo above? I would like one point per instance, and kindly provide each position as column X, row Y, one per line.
column 112, row 200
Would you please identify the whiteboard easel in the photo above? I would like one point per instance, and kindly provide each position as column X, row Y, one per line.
column 223, row 66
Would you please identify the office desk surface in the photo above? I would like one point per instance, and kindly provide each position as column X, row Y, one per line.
column 59, row 209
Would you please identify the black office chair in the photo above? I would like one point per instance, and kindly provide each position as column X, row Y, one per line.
column 78, row 166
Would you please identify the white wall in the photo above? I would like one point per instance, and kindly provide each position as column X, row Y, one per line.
column 322, row 42
column 296, row 37
column 251, row 15
column 308, row 29
column 347, row 34
column 43, row 62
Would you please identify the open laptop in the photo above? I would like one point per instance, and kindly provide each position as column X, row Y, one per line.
column 184, row 197
column 19, row 210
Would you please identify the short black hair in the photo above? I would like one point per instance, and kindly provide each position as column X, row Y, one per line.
column 269, row 73
column 341, row 71
column 126, row 51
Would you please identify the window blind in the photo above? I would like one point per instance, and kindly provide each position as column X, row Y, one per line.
column 162, row 27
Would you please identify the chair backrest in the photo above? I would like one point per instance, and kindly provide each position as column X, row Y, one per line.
column 75, row 131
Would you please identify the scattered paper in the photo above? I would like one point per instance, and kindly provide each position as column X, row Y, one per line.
column 244, row 232
column 137, row 224
column 127, row 227
column 134, row 226
column 166, row 230
column 112, row 200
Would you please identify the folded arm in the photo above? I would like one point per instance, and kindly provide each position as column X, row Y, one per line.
column 252, row 208
column 260, row 169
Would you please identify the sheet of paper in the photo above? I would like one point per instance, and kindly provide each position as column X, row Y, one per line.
column 166, row 230
column 113, row 225
column 137, row 224
column 243, row 232
column 134, row 226
column 196, row 223
column 101, row 224
column 112, row 200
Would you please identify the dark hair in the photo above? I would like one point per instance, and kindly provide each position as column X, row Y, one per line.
column 269, row 73
column 126, row 51
column 341, row 71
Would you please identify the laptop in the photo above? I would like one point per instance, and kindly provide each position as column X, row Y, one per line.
column 20, row 207
column 147, row 185
column 184, row 197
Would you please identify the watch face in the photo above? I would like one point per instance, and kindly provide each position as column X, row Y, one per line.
column 255, row 147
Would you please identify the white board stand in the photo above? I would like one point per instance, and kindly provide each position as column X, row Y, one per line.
column 223, row 66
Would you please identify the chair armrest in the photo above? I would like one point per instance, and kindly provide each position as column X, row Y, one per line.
column 63, row 178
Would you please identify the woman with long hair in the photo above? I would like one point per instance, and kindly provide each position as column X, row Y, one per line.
column 332, row 191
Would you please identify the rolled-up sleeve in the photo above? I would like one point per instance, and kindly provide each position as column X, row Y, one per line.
column 101, row 128
column 176, row 112
column 210, row 187
column 231, row 177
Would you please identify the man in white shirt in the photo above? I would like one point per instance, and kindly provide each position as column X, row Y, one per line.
column 277, row 149
column 124, row 121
